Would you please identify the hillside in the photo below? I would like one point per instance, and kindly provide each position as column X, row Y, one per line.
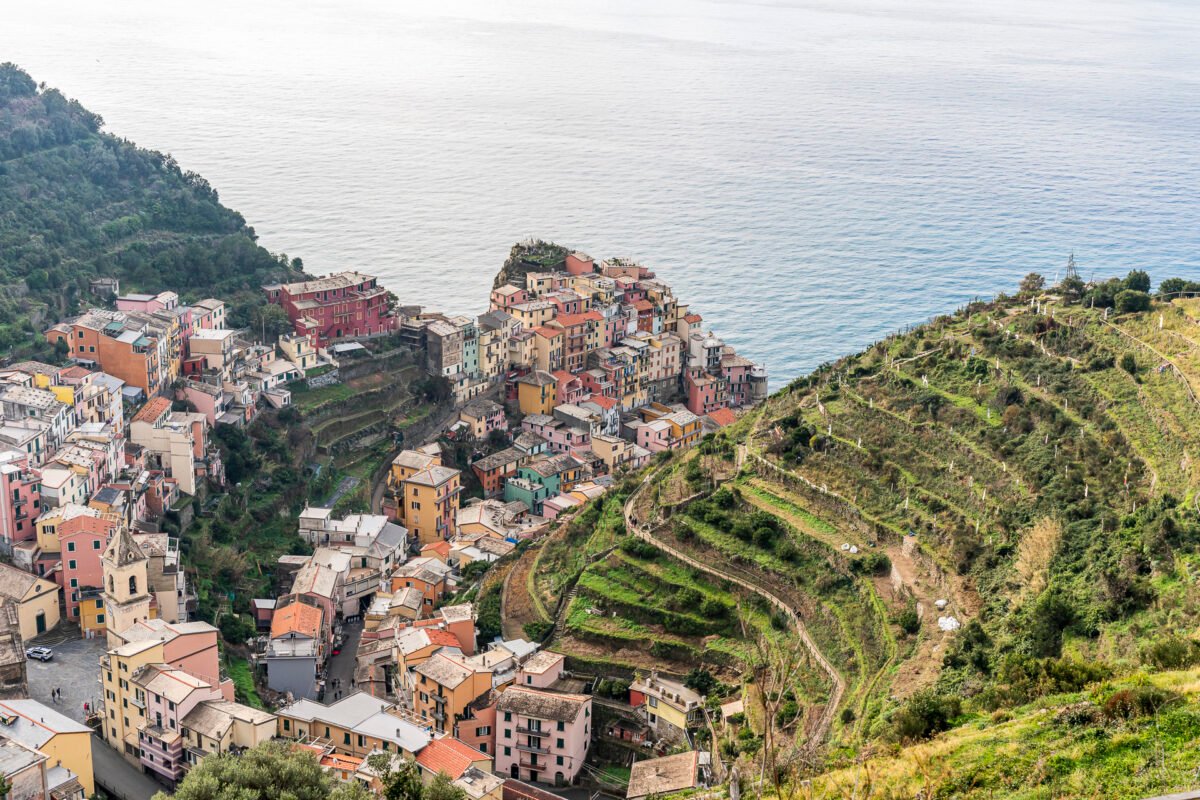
column 991, row 515
column 77, row 203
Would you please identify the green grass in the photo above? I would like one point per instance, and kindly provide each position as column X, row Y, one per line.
column 243, row 681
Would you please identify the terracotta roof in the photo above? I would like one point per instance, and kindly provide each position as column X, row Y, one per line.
column 643, row 305
column 722, row 416
column 547, row 333
column 152, row 410
column 571, row 320
column 443, row 637
column 341, row 762
column 441, row 548
column 604, row 402
column 563, row 375
column 450, row 756
column 694, row 318
column 297, row 618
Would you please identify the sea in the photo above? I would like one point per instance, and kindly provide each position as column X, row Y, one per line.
column 810, row 175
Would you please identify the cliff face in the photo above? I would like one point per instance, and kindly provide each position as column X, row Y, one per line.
column 532, row 255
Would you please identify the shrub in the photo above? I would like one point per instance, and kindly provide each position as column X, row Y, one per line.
column 1129, row 300
column 1140, row 701
column 926, row 713
column 908, row 620
column 1129, row 363
column 1172, row 652
column 538, row 630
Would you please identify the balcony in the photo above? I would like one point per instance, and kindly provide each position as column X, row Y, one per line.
column 526, row 729
column 529, row 748
column 528, row 762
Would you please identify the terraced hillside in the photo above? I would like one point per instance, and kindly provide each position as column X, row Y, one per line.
column 992, row 514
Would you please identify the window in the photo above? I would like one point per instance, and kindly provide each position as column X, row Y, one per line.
column 95, row 544
column 562, row 726
column 74, row 584
column 170, row 706
column 71, row 564
column 559, row 760
column 483, row 731
column 346, row 738
column 559, row 743
column 362, row 741
column 287, row 724
column 507, row 733
column 508, row 716
column 99, row 619
column 71, row 548
column 508, row 752
column 653, row 701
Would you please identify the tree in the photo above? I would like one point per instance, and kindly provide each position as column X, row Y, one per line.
column 701, row 680
column 1137, row 280
column 1129, row 300
column 270, row 322
column 1071, row 288
column 1031, row 284
column 271, row 771
column 400, row 777
column 440, row 788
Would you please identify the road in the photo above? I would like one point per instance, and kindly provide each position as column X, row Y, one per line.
column 341, row 666
column 75, row 671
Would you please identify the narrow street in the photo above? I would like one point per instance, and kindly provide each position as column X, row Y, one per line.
column 339, row 674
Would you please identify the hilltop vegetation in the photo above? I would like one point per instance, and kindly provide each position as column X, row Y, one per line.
column 77, row 203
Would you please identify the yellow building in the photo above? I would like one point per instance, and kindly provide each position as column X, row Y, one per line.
column 124, row 713
column 537, row 393
column 91, row 614
column 36, row 600
column 214, row 726
column 64, row 741
column 431, row 503
column 670, row 707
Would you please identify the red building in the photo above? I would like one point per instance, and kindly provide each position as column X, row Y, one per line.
column 345, row 305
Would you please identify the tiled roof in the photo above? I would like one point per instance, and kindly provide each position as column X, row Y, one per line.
column 152, row 410
column 661, row 776
column 722, row 416
column 297, row 618
column 541, row 704
column 450, row 756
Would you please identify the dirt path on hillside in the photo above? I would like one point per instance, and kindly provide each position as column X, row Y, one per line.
column 516, row 606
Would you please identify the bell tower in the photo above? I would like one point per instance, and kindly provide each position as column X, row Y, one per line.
column 126, row 588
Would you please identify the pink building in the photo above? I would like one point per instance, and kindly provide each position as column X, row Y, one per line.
column 82, row 540
column 560, row 437
column 705, row 393
column 542, row 735
column 570, row 388
column 477, row 728
column 169, row 694
column 580, row 264
column 508, row 296
column 148, row 303
column 20, row 499
column 654, row 436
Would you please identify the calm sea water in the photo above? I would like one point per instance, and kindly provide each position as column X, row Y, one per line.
column 810, row 175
